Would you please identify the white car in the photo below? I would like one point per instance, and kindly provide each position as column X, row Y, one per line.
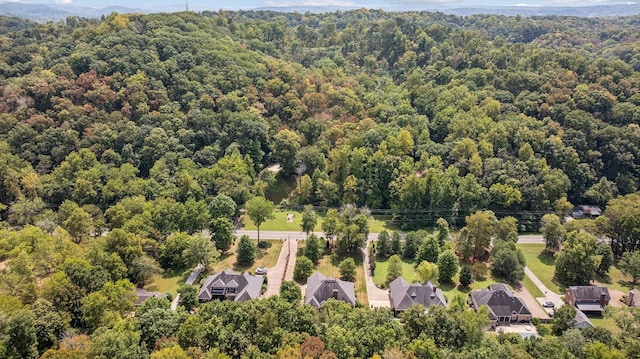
column 261, row 271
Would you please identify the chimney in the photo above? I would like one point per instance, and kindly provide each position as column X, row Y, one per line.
column 603, row 299
column 630, row 298
column 335, row 294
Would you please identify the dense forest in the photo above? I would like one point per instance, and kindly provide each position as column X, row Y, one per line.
column 155, row 127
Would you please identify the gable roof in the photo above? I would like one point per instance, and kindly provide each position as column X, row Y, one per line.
column 403, row 296
column 500, row 301
column 582, row 321
column 246, row 286
column 143, row 295
column 321, row 288
column 589, row 293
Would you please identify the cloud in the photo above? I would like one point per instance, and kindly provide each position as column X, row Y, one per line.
column 310, row 3
column 63, row 1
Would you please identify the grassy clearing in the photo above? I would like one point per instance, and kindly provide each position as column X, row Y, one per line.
column 542, row 265
column 607, row 323
column 264, row 258
column 168, row 282
column 616, row 280
column 377, row 222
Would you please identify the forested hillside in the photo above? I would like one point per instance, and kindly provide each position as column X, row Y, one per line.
column 148, row 125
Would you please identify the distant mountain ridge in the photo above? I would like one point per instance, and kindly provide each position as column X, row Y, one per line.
column 58, row 12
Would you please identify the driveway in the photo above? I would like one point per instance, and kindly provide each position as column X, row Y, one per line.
column 378, row 298
column 549, row 295
column 277, row 272
column 293, row 254
column 536, row 309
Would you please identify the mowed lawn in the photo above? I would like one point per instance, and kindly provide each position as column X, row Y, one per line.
column 616, row 280
column 377, row 222
column 264, row 258
column 409, row 274
column 167, row 282
column 543, row 265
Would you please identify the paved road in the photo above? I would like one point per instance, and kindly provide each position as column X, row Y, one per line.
column 293, row 235
column 377, row 297
column 276, row 273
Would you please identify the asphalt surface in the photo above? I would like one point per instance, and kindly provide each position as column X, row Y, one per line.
column 292, row 235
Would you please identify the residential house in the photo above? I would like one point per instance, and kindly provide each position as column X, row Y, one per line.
column 321, row 288
column 633, row 298
column 582, row 321
column 230, row 285
column 403, row 296
column 503, row 306
column 143, row 295
column 586, row 211
column 590, row 299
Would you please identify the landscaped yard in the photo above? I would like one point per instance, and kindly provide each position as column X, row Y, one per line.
column 377, row 222
column 616, row 280
column 264, row 258
column 409, row 274
column 607, row 323
column 542, row 265
column 168, row 282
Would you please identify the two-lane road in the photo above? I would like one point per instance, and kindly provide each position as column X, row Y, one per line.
column 527, row 238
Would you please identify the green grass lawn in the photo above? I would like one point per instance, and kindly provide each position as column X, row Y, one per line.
column 607, row 323
column 377, row 222
column 542, row 265
column 616, row 280
column 532, row 288
column 264, row 258
column 167, row 282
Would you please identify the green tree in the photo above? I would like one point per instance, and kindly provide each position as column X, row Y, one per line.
column 442, row 226
column 382, row 249
column 564, row 318
column 49, row 324
column 312, row 248
column 396, row 245
column 200, row 251
column 481, row 228
column 412, row 243
column 221, row 233
column 79, row 224
column 157, row 323
column 309, row 219
column 290, row 292
column 429, row 250
column 577, row 262
column 630, row 265
column 303, row 268
column 448, row 265
column 120, row 341
column 506, row 229
column 259, row 209
column 223, row 206
column 604, row 251
column 505, row 263
column 623, row 218
column 465, row 277
column 246, row 251
column 552, row 231
column 330, row 223
column 188, row 297
column 427, row 271
column 394, row 269
column 347, row 269
column 285, row 148
column 21, row 331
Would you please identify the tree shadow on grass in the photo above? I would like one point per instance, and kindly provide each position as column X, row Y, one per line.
column 547, row 258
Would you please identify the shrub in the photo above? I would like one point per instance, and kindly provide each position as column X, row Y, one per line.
column 303, row 268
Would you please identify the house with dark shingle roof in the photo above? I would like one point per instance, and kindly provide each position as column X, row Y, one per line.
column 403, row 295
column 229, row 285
column 143, row 294
column 503, row 306
column 582, row 321
column 321, row 288
column 590, row 299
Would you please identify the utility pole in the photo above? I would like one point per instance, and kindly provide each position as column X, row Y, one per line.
column 186, row 4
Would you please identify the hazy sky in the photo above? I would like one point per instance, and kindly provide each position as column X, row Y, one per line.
column 376, row 4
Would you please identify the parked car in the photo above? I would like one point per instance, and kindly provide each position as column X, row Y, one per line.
column 261, row 271
column 548, row 304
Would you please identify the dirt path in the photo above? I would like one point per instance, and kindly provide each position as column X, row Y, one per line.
column 377, row 297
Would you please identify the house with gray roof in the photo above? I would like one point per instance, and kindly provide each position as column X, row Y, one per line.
column 590, row 299
column 503, row 306
column 403, row 295
column 143, row 294
column 321, row 288
column 581, row 320
column 229, row 285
